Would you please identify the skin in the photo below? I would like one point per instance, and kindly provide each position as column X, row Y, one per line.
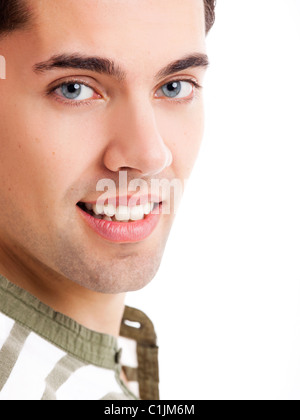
column 53, row 153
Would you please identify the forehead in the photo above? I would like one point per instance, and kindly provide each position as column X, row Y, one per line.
column 133, row 32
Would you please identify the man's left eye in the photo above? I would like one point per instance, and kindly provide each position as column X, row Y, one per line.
column 177, row 89
column 75, row 91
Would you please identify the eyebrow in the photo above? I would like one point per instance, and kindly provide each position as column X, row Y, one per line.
column 110, row 68
column 189, row 61
column 80, row 62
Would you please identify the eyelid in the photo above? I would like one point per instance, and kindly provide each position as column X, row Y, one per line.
column 180, row 78
column 59, row 83
column 187, row 79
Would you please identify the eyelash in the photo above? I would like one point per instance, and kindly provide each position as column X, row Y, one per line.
column 70, row 102
column 196, row 91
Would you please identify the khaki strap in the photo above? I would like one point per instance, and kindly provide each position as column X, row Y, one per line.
column 147, row 372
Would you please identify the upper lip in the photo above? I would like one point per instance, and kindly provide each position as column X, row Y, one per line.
column 125, row 200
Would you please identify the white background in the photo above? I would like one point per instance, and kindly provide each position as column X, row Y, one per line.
column 226, row 301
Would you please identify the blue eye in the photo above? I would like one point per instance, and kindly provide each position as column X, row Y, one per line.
column 75, row 91
column 176, row 89
column 172, row 89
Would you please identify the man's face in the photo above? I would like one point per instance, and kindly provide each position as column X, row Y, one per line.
column 63, row 128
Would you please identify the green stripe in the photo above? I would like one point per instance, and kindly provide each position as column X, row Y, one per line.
column 10, row 352
column 59, row 375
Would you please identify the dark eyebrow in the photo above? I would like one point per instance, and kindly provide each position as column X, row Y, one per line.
column 77, row 61
column 190, row 61
column 109, row 67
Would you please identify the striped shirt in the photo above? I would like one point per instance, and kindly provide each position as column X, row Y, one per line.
column 45, row 355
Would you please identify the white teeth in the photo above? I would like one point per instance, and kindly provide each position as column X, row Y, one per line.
column 109, row 210
column 148, row 208
column 98, row 209
column 121, row 213
column 137, row 213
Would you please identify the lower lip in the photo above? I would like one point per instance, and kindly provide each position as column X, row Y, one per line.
column 130, row 232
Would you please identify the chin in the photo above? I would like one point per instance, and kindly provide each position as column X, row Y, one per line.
column 126, row 273
column 119, row 280
column 112, row 269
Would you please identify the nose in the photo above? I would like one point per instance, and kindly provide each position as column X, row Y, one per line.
column 135, row 141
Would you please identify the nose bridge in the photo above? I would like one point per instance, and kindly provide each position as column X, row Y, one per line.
column 137, row 142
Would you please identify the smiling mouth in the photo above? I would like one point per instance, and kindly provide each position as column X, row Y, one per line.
column 122, row 224
column 119, row 214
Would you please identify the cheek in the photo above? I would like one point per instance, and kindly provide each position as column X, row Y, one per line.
column 45, row 152
column 30, row 168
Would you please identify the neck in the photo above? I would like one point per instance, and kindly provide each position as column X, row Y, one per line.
column 96, row 311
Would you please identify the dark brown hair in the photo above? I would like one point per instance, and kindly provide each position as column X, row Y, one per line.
column 14, row 14
column 209, row 13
